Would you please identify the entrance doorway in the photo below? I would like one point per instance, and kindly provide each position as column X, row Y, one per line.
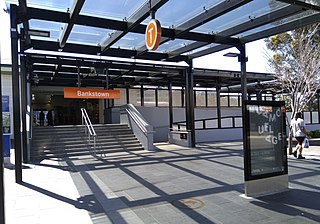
column 64, row 111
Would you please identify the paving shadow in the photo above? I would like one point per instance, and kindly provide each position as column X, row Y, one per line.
column 87, row 202
column 294, row 202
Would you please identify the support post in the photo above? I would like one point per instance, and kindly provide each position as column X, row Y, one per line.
column 2, row 211
column 127, row 95
column 170, row 105
column 16, row 94
column 142, row 95
column 218, row 90
column 190, row 103
column 23, row 96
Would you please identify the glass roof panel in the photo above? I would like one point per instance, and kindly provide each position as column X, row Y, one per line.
column 173, row 45
column 115, row 9
column 87, row 35
column 311, row 2
column 277, row 23
column 175, row 12
column 200, row 49
column 54, row 28
column 240, row 15
column 57, row 5
column 130, row 41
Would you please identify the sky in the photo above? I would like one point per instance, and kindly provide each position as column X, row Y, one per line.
column 256, row 52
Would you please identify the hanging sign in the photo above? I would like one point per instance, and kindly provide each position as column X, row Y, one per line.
column 153, row 34
column 85, row 93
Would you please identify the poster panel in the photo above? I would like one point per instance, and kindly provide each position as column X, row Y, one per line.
column 265, row 135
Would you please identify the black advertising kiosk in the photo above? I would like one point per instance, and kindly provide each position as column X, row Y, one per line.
column 265, row 148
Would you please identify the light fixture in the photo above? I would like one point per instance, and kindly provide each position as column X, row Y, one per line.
column 231, row 54
column 39, row 33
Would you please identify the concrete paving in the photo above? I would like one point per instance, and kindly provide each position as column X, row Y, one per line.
column 173, row 185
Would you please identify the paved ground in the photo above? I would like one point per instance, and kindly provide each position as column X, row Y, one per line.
column 172, row 185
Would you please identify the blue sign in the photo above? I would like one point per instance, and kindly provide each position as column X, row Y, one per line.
column 6, row 128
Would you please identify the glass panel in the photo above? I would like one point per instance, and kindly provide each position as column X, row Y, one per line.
column 118, row 9
column 176, row 98
column 311, row 2
column 53, row 27
column 173, row 45
column 87, row 35
column 277, row 23
column 57, row 5
column 130, row 41
column 224, row 101
column 200, row 49
column 240, row 15
column 200, row 98
column 122, row 100
column 149, row 98
column 163, row 98
column 212, row 99
column 234, row 101
column 176, row 12
column 134, row 97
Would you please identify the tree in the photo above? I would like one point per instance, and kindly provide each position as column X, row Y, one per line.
column 296, row 64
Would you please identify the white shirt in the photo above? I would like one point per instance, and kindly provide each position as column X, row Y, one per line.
column 297, row 125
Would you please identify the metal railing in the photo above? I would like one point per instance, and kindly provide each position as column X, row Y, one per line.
column 89, row 130
column 141, row 128
column 211, row 123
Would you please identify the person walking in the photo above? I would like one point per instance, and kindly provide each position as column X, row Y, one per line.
column 41, row 118
column 300, row 133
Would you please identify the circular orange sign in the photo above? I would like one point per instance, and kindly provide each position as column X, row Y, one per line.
column 153, row 34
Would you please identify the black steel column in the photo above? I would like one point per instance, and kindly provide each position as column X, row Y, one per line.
column 243, row 60
column 24, row 107
column 218, row 90
column 23, row 75
column 142, row 95
column 170, row 105
column 190, row 103
column 156, row 97
column 182, row 96
column 2, row 211
column 127, row 95
column 16, row 94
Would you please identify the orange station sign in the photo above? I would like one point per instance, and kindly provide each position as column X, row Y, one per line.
column 153, row 35
column 84, row 93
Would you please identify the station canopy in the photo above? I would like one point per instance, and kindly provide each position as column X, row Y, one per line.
column 103, row 41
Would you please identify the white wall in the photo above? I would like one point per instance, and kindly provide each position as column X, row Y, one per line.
column 158, row 117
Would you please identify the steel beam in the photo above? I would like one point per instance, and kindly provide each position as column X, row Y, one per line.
column 303, row 4
column 167, row 33
column 206, row 16
column 133, row 20
column 240, row 28
column 75, row 10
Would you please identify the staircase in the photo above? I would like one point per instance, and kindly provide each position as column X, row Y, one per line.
column 71, row 141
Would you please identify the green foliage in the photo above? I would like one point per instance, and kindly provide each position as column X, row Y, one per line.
column 296, row 62
column 314, row 134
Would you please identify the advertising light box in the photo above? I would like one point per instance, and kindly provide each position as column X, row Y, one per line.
column 265, row 139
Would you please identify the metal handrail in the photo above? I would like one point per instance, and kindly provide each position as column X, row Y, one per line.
column 141, row 128
column 89, row 129
column 180, row 124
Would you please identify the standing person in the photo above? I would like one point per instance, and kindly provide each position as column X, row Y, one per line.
column 299, row 132
column 41, row 118
column 49, row 117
